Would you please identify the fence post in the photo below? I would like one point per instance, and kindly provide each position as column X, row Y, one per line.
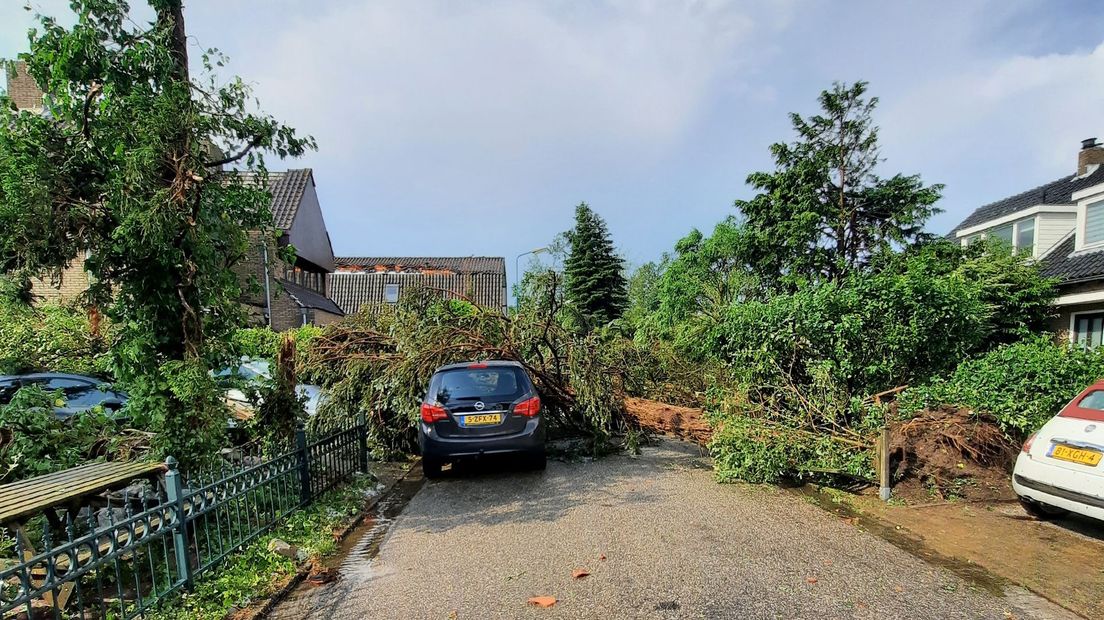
column 304, row 465
column 883, row 464
column 362, row 439
column 174, row 491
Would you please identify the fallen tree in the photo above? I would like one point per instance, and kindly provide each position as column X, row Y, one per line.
column 381, row 361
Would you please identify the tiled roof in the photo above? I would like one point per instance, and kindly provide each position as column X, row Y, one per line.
column 287, row 192
column 308, row 298
column 1064, row 264
column 353, row 290
column 401, row 264
column 1058, row 192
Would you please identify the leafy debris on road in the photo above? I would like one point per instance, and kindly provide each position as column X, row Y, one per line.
column 579, row 573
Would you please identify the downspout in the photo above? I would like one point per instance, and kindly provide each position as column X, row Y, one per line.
column 268, row 289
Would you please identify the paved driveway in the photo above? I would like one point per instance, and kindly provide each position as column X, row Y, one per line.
column 675, row 545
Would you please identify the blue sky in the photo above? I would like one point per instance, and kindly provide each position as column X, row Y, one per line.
column 473, row 128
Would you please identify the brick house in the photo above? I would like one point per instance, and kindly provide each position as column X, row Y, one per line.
column 376, row 281
column 290, row 295
column 1061, row 225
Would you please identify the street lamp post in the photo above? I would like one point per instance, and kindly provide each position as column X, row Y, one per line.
column 517, row 271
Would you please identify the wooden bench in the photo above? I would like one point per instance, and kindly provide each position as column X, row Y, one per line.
column 72, row 489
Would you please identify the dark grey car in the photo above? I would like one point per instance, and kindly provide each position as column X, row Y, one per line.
column 475, row 409
column 81, row 392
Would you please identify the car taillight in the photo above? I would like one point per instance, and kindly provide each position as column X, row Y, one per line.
column 433, row 413
column 528, row 408
column 1027, row 444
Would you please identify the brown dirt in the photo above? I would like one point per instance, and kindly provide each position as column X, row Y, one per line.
column 950, row 453
column 683, row 422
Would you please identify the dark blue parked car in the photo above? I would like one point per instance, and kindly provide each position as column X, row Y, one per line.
column 80, row 392
column 480, row 408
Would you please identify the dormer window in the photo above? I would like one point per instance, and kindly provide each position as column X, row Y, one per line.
column 1020, row 235
column 1094, row 223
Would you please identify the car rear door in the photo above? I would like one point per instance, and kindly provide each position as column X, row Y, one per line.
column 479, row 400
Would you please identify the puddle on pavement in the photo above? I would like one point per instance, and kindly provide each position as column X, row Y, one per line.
column 357, row 551
column 971, row 573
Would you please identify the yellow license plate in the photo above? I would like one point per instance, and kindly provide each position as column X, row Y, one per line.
column 1076, row 455
column 484, row 419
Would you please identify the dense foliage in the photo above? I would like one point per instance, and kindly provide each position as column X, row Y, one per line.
column 52, row 337
column 121, row 169
column 824, row 291
column 912, row 316
column 594, row 280
column 1020, row 385
column 824, row 212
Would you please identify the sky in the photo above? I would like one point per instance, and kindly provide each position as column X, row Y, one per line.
column 474, row 128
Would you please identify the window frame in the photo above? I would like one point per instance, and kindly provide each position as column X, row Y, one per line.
column 1015, row 226
column 388, row 287
column 1085, row 243
column 1087, row 315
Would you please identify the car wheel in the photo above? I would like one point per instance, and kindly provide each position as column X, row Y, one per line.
column 431, row 468
column 1041, row 511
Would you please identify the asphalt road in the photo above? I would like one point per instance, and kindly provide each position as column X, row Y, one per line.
column 675, row 545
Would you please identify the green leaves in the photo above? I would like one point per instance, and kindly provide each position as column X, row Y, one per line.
column 1021, row 385
column 124, row 172
column 594, row 283
column 824, row 212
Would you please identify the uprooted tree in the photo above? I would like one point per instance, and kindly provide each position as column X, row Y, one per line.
column 122, row 167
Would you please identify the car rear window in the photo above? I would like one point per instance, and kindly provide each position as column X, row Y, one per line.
column 1093, row 400
column 493, row 383
column 1089, row 406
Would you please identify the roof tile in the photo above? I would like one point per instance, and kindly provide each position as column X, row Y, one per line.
column 308, row 298
column 287, row 192
column 1058, row 192
column 405, row 264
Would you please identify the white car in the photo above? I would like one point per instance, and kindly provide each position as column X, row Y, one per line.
column 1059, row 469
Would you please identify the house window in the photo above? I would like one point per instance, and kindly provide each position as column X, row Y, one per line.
column 1094, row 223
column 1088, row 329
column 1004, row 233
column 1025, row 236
column 1020, row 236
column 391, row 293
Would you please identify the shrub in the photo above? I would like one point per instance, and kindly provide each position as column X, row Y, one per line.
column 1021, row 385
column 911, row 316
column 51, row 337
column 265, row 343
column 752, row 450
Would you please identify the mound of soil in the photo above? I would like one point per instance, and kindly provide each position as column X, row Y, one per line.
column 684, row 422
column 950, row 453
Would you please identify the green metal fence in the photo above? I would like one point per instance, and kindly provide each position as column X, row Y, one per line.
column 122, row 561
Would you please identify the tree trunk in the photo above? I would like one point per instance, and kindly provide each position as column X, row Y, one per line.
column 178, row 175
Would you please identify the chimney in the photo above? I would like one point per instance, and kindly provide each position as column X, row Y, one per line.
column 1090, row 157
column 22, row 89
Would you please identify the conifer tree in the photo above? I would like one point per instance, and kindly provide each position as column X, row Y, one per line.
column 594, row 274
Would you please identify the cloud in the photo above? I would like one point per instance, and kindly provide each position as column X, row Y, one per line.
column 1033, row 105
column 1000, row 128
column 526, row 86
